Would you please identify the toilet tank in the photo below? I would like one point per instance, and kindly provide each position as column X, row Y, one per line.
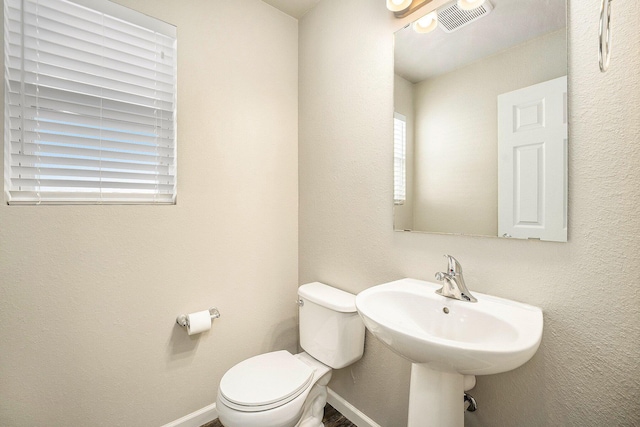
column 330, row 328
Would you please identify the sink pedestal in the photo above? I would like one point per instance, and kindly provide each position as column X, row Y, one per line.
column 436, row 398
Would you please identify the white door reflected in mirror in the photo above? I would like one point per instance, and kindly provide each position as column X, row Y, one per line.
column 532, row 162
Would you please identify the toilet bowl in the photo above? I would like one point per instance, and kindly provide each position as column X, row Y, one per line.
column 279, row 389
column 272, row 389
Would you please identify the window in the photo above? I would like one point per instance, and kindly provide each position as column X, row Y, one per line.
column 399, row 159
column 90, row 104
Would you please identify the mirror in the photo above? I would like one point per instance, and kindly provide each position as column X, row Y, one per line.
column 480, row 124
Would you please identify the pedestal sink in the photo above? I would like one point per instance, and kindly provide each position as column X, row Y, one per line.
column 446, row 339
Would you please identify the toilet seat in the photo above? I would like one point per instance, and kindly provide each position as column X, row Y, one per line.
column 265, row 382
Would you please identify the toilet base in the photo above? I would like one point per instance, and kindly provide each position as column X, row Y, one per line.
column 313, row 410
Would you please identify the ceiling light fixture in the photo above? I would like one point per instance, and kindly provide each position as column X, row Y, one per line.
column 398, row 5
column 427, row 23
column 470, row 4
column 403, row 8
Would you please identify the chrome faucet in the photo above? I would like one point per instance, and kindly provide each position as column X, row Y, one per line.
column 454, row 286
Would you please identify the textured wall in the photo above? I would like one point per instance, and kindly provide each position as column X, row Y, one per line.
column 89, row 294
column 586, row 372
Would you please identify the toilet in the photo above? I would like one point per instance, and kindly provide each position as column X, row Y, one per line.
column 280, row 389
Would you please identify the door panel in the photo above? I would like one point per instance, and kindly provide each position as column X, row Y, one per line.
column 532, row 162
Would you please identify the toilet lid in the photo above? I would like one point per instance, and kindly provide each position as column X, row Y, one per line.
column 269, row 378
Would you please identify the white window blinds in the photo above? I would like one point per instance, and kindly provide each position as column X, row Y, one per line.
column 399, row 158
column 90, row 104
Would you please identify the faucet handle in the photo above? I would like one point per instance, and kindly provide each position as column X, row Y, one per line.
column 441, row 276
column 454, row 266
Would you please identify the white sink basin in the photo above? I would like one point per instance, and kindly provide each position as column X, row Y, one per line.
column 486, row 337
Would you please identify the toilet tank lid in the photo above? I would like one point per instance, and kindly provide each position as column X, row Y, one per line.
column 328, row 296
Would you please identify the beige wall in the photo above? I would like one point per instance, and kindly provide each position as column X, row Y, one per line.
column 89, row 294
column 456, row 178
column 586, row 372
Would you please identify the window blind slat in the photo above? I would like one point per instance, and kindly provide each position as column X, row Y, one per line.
column 85, row 118
column 61, row 161
column 70, row 23
column 95, row 185
column 56, row 44
column 45, row 131
column 67, row 68
column 44, row 148
column 41, row 173
column 63, row 100
column 76, row 196
column 119, row 93
column 55, row 77
column 81, row 16
column 32, row 132
column 38, row 29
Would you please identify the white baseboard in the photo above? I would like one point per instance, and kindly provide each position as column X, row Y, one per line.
column 210, row 413
column 348, row 410
column 197, row 418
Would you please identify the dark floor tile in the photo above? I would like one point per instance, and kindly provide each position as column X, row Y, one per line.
column 333, row 418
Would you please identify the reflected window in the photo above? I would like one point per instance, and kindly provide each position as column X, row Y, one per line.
column 399, row 158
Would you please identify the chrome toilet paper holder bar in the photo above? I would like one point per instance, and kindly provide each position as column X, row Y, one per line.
column 183, row 321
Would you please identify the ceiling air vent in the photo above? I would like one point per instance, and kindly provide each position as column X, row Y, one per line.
column 452, row 18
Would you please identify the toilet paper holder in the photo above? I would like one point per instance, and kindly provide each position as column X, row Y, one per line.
column 183, row 321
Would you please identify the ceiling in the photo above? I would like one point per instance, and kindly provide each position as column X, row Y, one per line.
column 511, row 22
column 420, row 56
column 295, row 8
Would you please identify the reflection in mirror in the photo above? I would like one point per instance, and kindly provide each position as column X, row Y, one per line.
column 481, row 143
